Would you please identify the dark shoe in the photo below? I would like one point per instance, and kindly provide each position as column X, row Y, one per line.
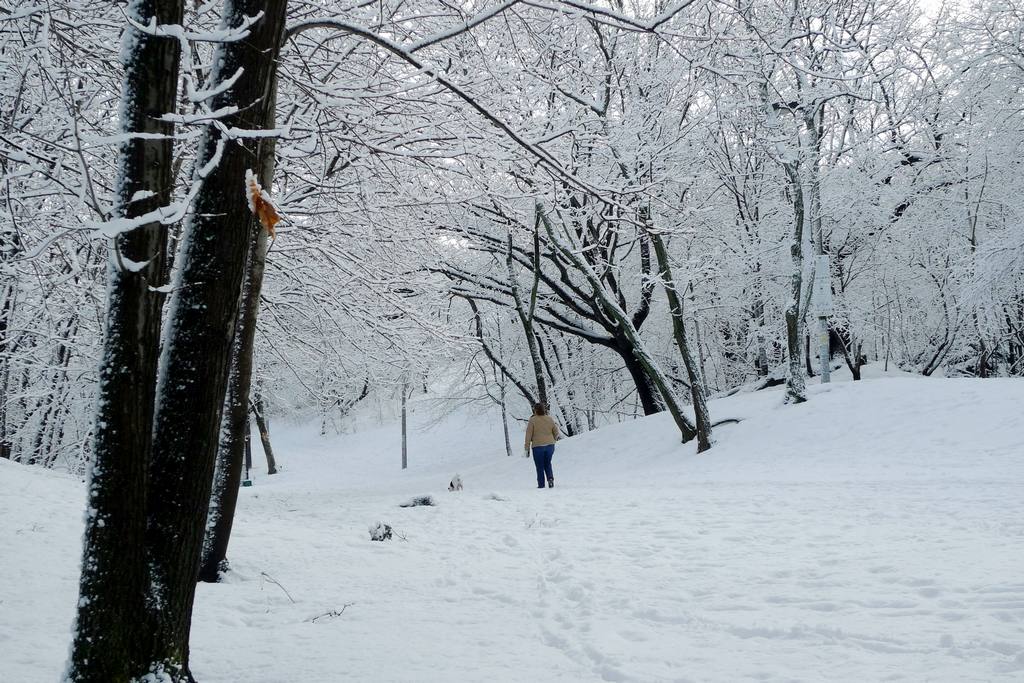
column 551, row 483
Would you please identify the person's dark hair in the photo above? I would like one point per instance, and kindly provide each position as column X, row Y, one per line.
column 540, row 409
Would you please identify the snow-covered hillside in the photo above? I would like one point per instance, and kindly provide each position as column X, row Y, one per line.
column 874, row 533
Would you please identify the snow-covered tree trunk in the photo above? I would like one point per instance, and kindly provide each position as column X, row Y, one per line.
column 789, row 159
column 812, row 126
column 259, row 411
column 7, row 292
column 526, row 312
column 196, row 352
column 675, row 305
column 235, row 421
column 502, row 401
column 502, row 382
column 796, row 387
column 112, row 618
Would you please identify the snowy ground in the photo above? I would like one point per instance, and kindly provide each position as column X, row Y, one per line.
column 875, row 533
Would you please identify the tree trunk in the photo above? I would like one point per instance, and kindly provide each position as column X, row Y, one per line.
column 502, row 382
column 675, row 305
column 259, row 411
column 7, row 293
column 234, row 435
column 851, row 351
column 504, row 412
column 405, row 426
column 228, row 472
column 112, row 622
column 526, row 315
column 196, row 352
column 705, row 382
column 248, row 448
column 796, row 387
column 807, row 351
column 6, row 447
column 1015, row 338
column 645, row 389
column 812, row 120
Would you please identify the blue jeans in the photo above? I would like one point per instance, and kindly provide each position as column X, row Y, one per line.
column 542, row 461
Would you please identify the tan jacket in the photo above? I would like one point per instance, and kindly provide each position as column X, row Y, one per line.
column 541, row 430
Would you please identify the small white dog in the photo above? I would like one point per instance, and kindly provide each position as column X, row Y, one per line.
column 456, row 483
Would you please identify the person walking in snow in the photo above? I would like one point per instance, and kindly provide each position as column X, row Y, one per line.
column 541, row 435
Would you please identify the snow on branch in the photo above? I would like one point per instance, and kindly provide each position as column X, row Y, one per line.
column 201, row 117
column 206, row 93
column 184, row 36
column 118, row 226
column 227, row 35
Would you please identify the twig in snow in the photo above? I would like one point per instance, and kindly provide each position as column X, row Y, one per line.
column 334, row 613
column 277, row 583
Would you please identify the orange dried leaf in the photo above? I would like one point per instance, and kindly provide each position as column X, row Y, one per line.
column 262, row 207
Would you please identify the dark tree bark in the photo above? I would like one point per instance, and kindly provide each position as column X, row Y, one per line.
column 675, row 305
column 1015, row 337
column 234, row 422
column 234, row 433
column 248, row 447
column 259, row 411
column 196, row 352
column 852, row 351
column 645, row 389
column 231, row 448
column 500, row 379
column 111, row 624
column 807, row 352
